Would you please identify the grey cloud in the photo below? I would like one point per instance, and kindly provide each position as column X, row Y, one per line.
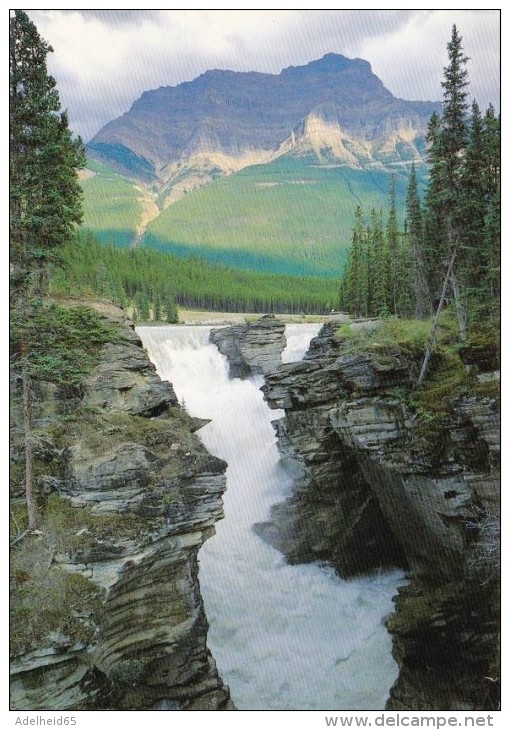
column 409, row 70
column 119, row 18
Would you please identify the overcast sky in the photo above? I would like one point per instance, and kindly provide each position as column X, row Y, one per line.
column 104, row 59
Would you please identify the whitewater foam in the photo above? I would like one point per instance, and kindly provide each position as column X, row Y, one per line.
column 284, row 637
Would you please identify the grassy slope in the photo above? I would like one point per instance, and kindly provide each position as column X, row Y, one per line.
column 111, row 207
column 290, row 216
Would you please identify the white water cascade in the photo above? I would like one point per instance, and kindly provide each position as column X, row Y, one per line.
column 284, row 637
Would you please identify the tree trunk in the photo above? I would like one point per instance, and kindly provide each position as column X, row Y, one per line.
column 432, row 338
column 460, row 302
column 29, row 455
column 423, row 308
column 460, row 306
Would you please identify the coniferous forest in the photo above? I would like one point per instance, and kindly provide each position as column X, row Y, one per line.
column 448, row 250
column 151, row 284
column 387, row 521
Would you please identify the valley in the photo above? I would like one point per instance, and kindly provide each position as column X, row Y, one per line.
column 255, row 171
column 254, row 382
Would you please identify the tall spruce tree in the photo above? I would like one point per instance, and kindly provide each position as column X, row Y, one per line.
column 492, row 222
column 353, row 298
column 380, row 297
column 45, row 194
column 473, row 255
column 415, row 233
column 434, row 229
column 445, row 200
column 392, row 249
column 45, row 200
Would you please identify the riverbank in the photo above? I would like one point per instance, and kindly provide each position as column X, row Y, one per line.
column 193, row 316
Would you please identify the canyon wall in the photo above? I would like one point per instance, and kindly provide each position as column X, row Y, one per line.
column 106, row 604
column 379, row 485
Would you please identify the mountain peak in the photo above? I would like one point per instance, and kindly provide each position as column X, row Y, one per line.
column 332, row 62
column 241, row 118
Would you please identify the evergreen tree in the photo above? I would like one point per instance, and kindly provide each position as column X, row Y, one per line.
column 379, row 288
column 405, row 297
column 473, row 256
column 492, row 220
column 45, row 195
column 435, row 239
column 142, row 306
column 172, row 315
column 446, row 204
column 415, row 233
column 392, row 249
column 45, row 202
column 157, row 308
column 353, row 292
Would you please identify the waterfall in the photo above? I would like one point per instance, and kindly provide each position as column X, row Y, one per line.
column 284, row 637
column 298, row 338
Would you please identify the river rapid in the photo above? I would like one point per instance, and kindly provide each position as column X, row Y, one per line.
column 284, row 637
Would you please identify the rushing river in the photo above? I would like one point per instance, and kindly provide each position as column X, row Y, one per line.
column 284, row 637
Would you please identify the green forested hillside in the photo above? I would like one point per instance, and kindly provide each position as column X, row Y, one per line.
column 111, row 207
column 152, row 283
column 292, row 216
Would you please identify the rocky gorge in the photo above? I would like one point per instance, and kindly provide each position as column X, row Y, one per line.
column 106, row 610
column 377, row 488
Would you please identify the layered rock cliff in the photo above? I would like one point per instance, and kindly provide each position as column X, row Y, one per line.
column 376, row 488
column 254, row 348
column 106, row 604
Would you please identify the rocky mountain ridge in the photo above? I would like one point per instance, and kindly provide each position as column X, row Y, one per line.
column 334, row 109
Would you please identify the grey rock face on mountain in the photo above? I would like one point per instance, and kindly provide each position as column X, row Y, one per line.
column 251, row 349
column 225, row 120
column 370, row 494
column 132, row 497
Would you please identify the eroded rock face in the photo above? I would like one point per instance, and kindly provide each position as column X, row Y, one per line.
column 253, row 348
column 370, row 494
column 135, row 497
column 126, row 381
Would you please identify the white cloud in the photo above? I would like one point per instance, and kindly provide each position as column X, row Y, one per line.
column 424, row 43
column 104, row 59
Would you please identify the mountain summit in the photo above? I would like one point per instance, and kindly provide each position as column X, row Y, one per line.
column 335, row 108
column 254, row 170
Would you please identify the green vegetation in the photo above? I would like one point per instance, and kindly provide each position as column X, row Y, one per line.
column 393, row 333
column 46, row 599
column 127, row 672
column 378, row 275
column 72, row 529
column 448, row 379
column 152, row 283
column 462, row 205
column 45, row 206
column 450, row 247
column 47, row 604
column 62, row 344
column 45, row 197
column 111, row 205
column 291, row 216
